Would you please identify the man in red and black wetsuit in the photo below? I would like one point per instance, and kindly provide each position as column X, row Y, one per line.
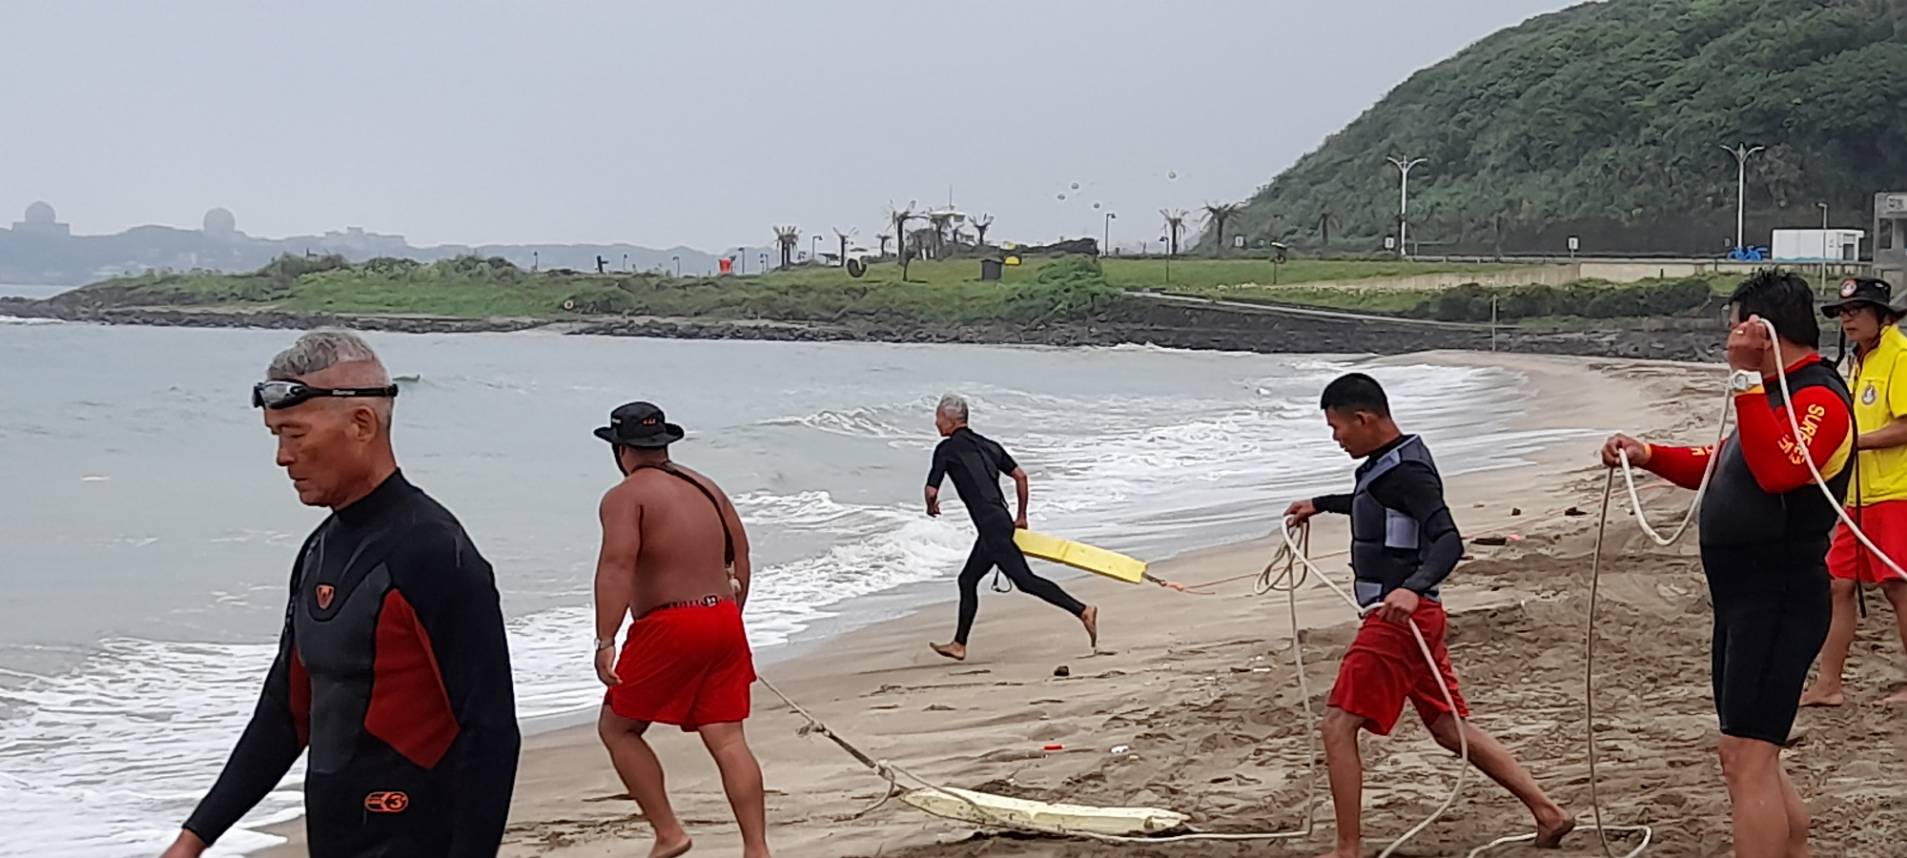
column 392, row 666
column 1764, row 536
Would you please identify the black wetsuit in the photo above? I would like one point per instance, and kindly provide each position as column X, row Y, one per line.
column 975, row 463
column 1765, row 556
column 393, row 669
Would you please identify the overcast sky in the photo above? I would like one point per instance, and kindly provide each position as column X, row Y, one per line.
column 686, row 122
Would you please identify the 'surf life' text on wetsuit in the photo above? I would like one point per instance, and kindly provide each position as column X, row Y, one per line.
column 1765, row 529
column 975, row 463
column 1402, row 534
column 394, row 670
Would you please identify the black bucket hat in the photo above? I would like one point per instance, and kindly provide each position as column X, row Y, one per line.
column 1856, row 291
column 641, row 425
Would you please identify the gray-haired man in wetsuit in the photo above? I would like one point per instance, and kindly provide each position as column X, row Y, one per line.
column 976, row 463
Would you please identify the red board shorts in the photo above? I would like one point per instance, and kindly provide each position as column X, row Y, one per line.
column 1886, row 524
column 686, row 666
column 1384, row 668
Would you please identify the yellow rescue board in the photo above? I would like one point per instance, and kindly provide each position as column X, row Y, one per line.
column 1079, row 555
column 1000, row 811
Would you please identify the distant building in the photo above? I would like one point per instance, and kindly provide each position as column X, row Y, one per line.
column 1890, row 236
column 1817, row 245
column 40, row 220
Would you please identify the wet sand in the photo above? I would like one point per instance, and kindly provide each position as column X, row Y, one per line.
column 1202, row 691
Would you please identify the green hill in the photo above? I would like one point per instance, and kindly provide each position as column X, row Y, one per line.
column 1606, row 121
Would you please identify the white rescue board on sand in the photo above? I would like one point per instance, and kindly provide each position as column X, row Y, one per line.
column 999, row 810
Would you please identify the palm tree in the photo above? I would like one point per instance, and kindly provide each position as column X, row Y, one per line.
column 1325, row 219
column 843, row 236
column 1216, row 214
column 1174, row 226
column 786, row 237
column 980, row 225
column 899, row 218
column 941, row 222
column 884, row 238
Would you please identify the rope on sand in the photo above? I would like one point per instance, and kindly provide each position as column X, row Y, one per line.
column 892, row 773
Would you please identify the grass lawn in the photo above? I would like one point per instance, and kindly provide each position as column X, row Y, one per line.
column 935, row 291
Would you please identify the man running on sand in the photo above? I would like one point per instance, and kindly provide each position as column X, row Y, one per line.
column 1878, row 502
column 393, row 670
column 1764, row 542
column 975, row 463
column 676, row 556
column 1403, row 545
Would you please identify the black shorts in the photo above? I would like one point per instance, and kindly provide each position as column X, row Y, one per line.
column 1771, row 616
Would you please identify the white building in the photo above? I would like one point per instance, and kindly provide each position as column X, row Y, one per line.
column 1817, row 245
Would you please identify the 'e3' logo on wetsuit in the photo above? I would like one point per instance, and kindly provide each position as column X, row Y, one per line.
column 325, row 592
column 387, row 802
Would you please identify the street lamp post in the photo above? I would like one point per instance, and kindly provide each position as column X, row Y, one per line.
column 1824, row 214
column 1105, row 246
column 814, row 247
column 1742, row 153
column 741, row 261
column 1403, row 201
column 678, row 265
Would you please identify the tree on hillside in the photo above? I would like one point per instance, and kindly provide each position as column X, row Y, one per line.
column 1604, row 120
column 1174, row 227
column 899, row 218
column 980, row 225
column 1216, row 215
column 785, row 239
column 1325, row 219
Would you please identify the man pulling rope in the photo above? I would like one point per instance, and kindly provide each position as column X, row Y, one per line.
column 1764, row 540
column 1403, row 544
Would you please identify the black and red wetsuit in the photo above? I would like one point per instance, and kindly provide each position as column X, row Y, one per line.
column 1764, row 534
column 394, row 670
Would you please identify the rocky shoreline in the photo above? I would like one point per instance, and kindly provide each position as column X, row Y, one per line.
column 1173, row 325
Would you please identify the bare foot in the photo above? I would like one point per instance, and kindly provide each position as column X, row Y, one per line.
column 672, row 850
column 1898, row 698
column 1341, row 852
column 1090, row 619
column 957, row 652
column 1821, row 695
column 1550, row 830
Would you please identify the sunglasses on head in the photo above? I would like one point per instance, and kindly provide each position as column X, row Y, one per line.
column 285, row 394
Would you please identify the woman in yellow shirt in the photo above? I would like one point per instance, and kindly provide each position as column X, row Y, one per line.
column 1878, row 498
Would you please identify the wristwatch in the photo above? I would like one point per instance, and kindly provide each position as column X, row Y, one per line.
column 1744, row 380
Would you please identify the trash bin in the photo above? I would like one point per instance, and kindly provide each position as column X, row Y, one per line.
column 991, row 269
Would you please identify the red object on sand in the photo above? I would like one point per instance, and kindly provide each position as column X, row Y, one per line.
column 1055, row 747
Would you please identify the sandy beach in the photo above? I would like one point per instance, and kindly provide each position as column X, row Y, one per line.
column 1201, row 689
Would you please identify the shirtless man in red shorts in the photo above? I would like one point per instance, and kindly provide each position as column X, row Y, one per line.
column 674, row 555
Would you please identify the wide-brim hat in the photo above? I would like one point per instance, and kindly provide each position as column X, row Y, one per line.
column 1865, row 291
column 640, row 424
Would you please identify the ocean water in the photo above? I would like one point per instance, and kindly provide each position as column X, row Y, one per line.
column 146, row 537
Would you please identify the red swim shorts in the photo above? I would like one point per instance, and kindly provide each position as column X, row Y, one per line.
column 1886, row 524
column 1384, row 668
column 686, row 666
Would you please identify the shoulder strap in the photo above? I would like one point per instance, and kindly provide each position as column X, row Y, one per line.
column 728, row 539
